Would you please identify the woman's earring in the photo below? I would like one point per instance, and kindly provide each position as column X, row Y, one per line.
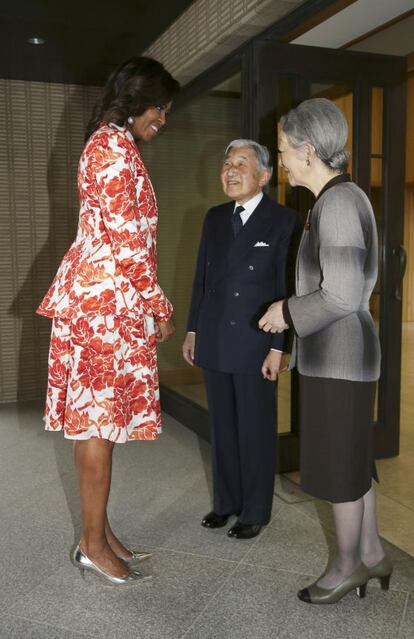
column 307, row 161
column 130, row 120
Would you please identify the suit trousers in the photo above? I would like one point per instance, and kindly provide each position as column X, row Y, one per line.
column 242, row 410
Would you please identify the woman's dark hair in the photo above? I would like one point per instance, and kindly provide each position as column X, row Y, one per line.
column 135, row 86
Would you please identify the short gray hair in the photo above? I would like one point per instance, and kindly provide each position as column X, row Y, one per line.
column 322, row 124
column 262, row 152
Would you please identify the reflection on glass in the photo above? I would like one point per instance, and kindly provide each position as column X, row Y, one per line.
column 376, row 198
column 184, row 164
column 376, row 121
column 284, row 402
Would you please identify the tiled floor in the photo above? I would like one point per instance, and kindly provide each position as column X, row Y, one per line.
column 204, row 584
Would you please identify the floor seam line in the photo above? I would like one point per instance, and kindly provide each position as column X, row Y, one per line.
column 191, row 554
column 231, row 573
column 191, row 626
column 314, row 519
column 48, row 625
column 404, row 612
column 290, row 572
column 395, row 500
column 26, row 594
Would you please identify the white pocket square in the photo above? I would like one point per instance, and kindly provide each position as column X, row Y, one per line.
column 260, row 244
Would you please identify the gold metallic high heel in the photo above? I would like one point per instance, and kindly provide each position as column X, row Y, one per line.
column 135, row 557
column 316, row 595
column 83, row 562
column 383, row 571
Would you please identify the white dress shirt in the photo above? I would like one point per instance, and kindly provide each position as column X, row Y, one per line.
column 248, row 206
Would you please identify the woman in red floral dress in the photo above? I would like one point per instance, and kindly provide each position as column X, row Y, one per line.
column 107, row 307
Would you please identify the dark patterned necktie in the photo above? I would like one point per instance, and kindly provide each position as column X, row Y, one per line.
column 237, row 222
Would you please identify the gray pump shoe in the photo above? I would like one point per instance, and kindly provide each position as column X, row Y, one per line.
column 82, row 561
column 383, row 571
column 357, row 581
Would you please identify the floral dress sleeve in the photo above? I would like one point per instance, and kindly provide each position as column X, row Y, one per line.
column 126, row 224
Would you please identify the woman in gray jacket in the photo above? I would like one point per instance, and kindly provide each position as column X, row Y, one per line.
column 336, row 348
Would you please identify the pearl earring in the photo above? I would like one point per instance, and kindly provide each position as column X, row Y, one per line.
column 130, row 120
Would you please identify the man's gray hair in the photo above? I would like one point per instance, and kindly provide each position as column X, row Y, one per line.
column 262, row 152
column 322, row 124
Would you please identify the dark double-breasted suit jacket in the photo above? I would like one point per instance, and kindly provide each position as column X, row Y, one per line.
column 236, row 279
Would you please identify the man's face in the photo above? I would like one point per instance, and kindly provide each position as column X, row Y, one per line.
column 240, row 176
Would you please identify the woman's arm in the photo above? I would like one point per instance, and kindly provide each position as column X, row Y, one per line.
column 126, row 224
column 342, row 256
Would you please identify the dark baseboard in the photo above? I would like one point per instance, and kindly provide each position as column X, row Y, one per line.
column 195, row 418
column 186, row 412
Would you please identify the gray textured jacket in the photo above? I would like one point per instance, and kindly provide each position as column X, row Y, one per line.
column 336, row 271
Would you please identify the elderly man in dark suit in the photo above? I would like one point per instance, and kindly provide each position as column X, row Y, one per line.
column 241, row 268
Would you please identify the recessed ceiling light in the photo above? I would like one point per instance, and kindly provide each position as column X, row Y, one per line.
column 36, row 40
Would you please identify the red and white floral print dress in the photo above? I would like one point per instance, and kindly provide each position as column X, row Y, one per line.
column 104, row 301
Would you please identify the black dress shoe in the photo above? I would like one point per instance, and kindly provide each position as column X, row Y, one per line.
column 213, row 520
column 244, row 531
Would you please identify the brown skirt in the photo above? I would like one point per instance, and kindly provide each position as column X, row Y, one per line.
column 336, row 438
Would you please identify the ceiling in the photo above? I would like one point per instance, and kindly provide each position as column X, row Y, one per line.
column 397, row 39
column 357, row 21
column 84, row 40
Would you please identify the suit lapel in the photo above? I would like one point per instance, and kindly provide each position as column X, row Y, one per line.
column 232, row 250
column 223, row 235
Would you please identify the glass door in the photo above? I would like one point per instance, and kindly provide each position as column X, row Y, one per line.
column 370, row 89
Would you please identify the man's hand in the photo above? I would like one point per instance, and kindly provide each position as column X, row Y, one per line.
column 165, row 330
column 188, row 348
column 273, row 320
column 272, row 365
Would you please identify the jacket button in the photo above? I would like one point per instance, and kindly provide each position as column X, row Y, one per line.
column 251, row 267
column 232, row 323
column 236, row 294
column 208, row 263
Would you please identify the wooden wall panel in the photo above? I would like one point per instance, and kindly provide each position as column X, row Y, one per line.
column 40, row 143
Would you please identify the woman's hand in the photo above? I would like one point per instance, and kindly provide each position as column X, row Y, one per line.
column 273, row 320
column 188, row 348
column 165, row 330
